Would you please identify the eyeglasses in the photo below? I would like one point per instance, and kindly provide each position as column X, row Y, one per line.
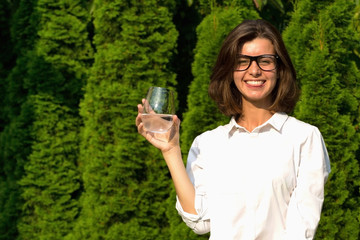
column 267, row 62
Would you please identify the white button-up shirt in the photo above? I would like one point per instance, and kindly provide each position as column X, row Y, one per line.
column 267, row 184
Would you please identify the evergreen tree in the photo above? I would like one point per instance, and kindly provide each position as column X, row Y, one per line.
column 6, row 56
column 356, row 28
column 5, row 59
column 320, row 40
column 64, row 47
column 14, row 139
column 14, row 149
column 125, row 179
column 202, row 113
column 52, row 57
column 51, row 176
column 23, row 30
column 58, row 68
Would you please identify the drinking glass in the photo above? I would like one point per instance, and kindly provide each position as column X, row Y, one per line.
column 158, row 110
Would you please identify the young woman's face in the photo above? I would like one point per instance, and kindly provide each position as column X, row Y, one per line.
column 255, row 84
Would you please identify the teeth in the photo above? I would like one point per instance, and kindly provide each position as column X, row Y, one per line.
column 255, row 83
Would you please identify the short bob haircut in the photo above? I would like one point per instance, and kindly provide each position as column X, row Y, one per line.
column 222, row 88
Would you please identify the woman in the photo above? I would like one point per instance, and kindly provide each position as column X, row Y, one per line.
column 262, row 175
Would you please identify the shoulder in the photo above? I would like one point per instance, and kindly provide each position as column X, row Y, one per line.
column 213, row 136
column 207, row 144
column 300, row 129
column 301, row 125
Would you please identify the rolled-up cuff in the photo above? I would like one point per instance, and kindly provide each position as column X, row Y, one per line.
column 200, row 222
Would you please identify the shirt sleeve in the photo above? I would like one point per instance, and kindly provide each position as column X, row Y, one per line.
column 200, row 222
column 307, row 198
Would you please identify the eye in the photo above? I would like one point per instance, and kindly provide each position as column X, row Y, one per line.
column 243, row 61
column 266, row 61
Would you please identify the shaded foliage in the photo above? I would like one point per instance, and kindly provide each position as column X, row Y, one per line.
column 51, row 176
column 42, row 68
column 125, row 180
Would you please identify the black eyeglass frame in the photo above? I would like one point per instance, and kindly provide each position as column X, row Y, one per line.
column 255, row 58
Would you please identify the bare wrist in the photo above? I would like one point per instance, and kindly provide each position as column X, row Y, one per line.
column 174, row 152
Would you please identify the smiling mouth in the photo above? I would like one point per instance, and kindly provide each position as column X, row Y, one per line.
column 255, row 83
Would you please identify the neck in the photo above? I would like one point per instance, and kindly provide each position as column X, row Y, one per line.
column 253, row 116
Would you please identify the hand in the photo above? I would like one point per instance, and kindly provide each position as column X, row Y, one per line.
column 171, row 137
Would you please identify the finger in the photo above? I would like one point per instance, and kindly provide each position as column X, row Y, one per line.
column 176, row 120
column 141, row 129
column 149, row 136
column 147, row 107
column 138, row 119
column 140, row 108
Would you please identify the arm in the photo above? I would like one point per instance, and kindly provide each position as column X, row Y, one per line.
column 199, row 222
column 172, row 155
column 307, row 198
column 184, row 189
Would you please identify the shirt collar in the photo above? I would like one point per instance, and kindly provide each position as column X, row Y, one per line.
column 276, row 121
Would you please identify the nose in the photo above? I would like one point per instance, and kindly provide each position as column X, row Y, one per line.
column 254, row 69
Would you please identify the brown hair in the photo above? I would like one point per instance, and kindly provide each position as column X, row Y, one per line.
column 222, row 88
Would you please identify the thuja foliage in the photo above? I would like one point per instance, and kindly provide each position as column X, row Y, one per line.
column 15, row 143
column 320, row 39
column 125, row 179
column 58, row 68
column 63, row 43
column 51, row 177
column 14, row 137
column 23, row 28
column 50, row 61
column 6, row 56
